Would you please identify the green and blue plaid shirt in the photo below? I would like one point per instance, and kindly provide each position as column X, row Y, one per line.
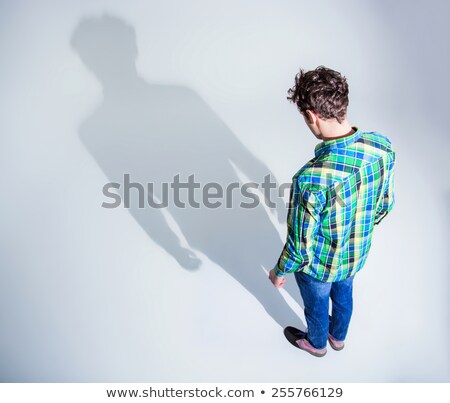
column 336, row 198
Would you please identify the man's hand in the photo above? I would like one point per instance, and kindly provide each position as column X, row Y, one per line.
column 278, row 282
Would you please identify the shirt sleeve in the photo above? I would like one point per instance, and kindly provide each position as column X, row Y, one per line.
column 303, row 221
column 388, row 197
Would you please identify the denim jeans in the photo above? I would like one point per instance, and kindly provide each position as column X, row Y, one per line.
column 316, row 295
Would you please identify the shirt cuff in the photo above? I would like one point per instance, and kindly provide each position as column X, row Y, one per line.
column 278, row 272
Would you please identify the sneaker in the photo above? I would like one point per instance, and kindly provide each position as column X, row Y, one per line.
column 335, row 344
column 304, row 344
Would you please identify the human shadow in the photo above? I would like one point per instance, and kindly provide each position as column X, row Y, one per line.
column 153, row 132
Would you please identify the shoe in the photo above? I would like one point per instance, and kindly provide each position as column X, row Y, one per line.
column 335, row 344
column 304, row 344
column 295, row 337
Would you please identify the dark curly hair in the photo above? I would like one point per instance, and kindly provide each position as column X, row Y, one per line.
column 323, row 91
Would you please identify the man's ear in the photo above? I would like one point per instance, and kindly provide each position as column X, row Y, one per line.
column 309, row 116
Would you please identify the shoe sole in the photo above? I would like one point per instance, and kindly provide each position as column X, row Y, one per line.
column 312, row 352
column 334, row 347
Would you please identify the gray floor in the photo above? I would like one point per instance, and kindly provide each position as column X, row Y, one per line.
column 90, row 294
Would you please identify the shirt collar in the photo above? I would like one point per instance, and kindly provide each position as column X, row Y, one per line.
column 338, row 143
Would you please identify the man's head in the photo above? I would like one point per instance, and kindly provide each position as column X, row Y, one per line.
column 321, row 96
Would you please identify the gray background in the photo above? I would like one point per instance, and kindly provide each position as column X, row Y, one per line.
column 93, row 89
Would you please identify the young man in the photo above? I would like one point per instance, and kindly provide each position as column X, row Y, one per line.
column 336, row 199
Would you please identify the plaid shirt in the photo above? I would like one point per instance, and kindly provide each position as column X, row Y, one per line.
column 335, row 200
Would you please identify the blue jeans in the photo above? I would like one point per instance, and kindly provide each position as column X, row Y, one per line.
column 316, row 295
